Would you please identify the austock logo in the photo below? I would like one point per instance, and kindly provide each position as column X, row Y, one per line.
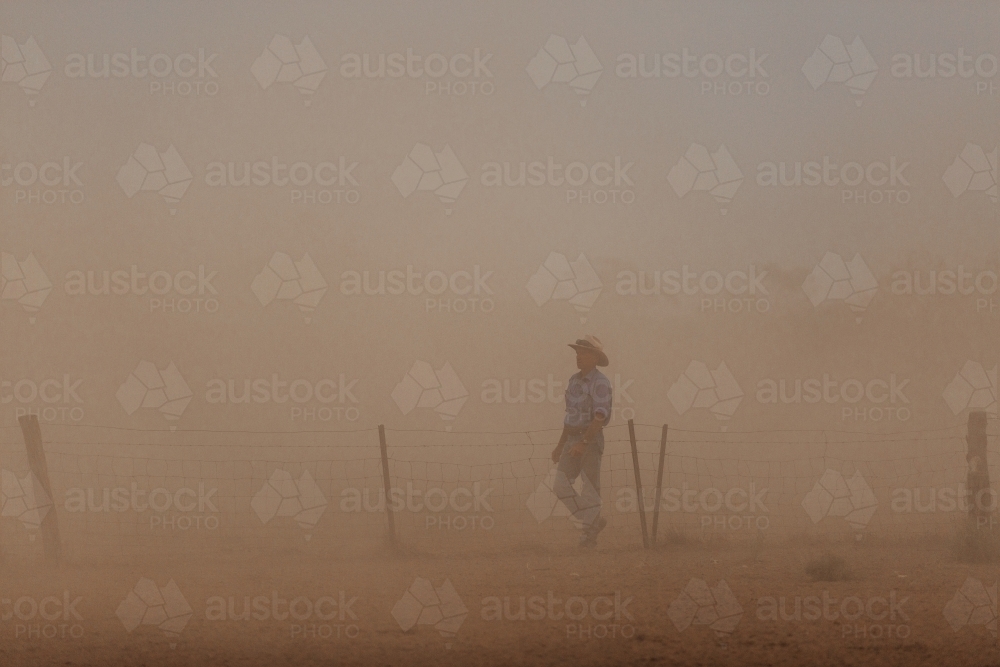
column 182, row 509
column 306, row 617
column 538, row 390
column 973, row 604
column 732, row 75
column 461, row 508
column 875, row 619
column 560, row 62
column 860, row 182
column 559, row 279
column 149, row 170
column 52, row 399
column 584, row 618
column 715, row 173
column 24, row 65
column 148, row 604
column 973, row 388
column 732, row 292
column 183, row 75
column 950, row 498
column 181, row 292
column 457, row 75
column 308, row 400
column 423, row 169
column 284, row 279
column 24, row 282
column 282, row 61
column 835, row 62
column 699, row 604
column 335, row 179
column 832, row 495
column 24, row 499
column 872, row 400
column 457, row 292
column 700, row 387
column 974, row 170
column 424, row 387
column 948, row 66
column 51, row 617
column 300, row 499
column 950, row 282
column 600, row 182
column 426, row 604
column 833, row 279
column 737, row 508
column 148, row 387
column 50, row 183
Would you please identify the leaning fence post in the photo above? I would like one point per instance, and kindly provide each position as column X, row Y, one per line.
column 659, row 483
column 1, row 528
column 978, row 479
column 386, row 486
column 40, row 469
column 638, row 484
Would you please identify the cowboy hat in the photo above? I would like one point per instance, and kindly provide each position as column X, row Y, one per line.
column 591, row 344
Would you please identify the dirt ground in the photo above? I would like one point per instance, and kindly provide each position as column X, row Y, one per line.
column 895, row 597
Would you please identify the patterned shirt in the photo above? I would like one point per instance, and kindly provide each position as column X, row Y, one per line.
column 586, row 397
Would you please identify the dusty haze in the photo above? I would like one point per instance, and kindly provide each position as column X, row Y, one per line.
column 238, row 237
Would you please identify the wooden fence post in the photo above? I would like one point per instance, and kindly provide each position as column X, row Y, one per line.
column 659, row 482
column 638, row 484
column 978, row 478
column 387, row 486
column 40, row 469
column 1, row 529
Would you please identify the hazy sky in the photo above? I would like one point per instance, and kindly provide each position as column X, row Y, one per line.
column 228, row 112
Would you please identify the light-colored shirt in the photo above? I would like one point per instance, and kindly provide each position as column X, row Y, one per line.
column 587, row 396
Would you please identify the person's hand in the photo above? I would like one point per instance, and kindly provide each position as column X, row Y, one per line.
column 578, row 449
column 556, row 454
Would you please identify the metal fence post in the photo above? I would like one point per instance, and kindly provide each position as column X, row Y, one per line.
column 40, row 470
column 638, row 484
column 386, row 486
column 659, row 483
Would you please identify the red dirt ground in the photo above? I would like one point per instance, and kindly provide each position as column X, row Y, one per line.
column 921, row 580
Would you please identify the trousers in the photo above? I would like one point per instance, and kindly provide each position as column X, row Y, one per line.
column 586, row 505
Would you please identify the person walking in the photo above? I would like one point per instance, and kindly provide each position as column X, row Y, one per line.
column 581, row 445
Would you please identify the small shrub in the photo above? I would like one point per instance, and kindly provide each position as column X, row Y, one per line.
column 828, row 567
column 977, row 545
column 674, row 538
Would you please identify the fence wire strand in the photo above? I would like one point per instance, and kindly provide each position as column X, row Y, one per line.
column 461, row 491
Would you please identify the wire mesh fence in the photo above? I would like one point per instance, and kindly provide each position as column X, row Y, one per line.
column 124, row 491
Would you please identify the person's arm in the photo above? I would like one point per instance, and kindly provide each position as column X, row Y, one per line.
column 593, row 428
column 557, row 452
